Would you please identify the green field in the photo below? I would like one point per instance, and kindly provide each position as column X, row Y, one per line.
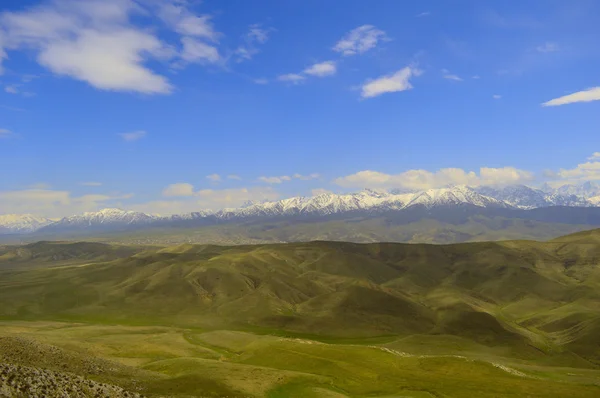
column 318, row 319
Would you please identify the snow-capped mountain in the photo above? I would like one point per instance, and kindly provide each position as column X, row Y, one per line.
column 585, row 190
column 21, row 223
column 456, row 195
column 106, row 218
column 364, row 203
column 523, row 197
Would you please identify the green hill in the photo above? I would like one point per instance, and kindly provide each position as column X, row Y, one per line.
column 533, row 304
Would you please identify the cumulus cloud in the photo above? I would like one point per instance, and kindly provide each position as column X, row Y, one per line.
column 53, row 203
column 423, row 179
column 12, row 89
column 359, row 40
column 275, row 180
column 398, row 81
column 591, row 94
column 321, row 69
column 234, row 177
column 96, row 41
column 588, row 171
column 214, row 177
column 91, row 184
column 133, row 136
column 293, row 78
column 209, row 199
column 547, row 47
column 179, row 189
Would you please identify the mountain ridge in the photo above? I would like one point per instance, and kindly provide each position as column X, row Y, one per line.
column 366, row 202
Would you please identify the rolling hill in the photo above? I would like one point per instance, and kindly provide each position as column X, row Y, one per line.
column 303, row 319
column 521, row 293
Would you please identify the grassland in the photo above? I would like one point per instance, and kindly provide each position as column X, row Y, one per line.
column 318, row 319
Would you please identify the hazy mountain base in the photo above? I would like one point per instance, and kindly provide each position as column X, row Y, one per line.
column 525, row 306
column 359, row 230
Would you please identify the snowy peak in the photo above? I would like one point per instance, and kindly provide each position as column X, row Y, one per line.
column 523, row 197
column 519, row 196
column 108, row 216
column 455, row 195
column 21, row 223
column 585, row 190
column 105, row 218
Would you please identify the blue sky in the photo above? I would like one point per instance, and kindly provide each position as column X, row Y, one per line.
column 171, row 105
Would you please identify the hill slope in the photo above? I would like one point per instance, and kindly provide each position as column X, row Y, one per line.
column 517, row 293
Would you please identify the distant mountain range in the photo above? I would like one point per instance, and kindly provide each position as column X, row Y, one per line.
column 367, row 203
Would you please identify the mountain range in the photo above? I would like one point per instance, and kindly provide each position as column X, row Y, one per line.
column 510, row 201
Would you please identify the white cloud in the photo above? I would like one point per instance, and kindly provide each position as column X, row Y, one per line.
column 547, row 47
column 52, row 203
column 92, row 41
column 133, row 136
column 595, row 156
column 97, row 41
column 107, row 60
column 312, row 176
column 179, row 189
column 359, row 40
column 398, row 81
column 4, row 133
column 423, row 14
column 423, row 179
column 322, row 69
column 275, row 180
column 293, row 78
column 588, row 171
column 234, row 177
column 195, row 50
column 11, row 89
column 249, row 48
column 91, row 184
column 261, row 81
column 209, row 199
column 591, row 94
column 496, row 96
column 214, row 177
column 476, row 77
column 176, row 15
column 447, row 75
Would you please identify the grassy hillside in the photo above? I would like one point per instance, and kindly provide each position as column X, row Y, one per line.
column 317, row 318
